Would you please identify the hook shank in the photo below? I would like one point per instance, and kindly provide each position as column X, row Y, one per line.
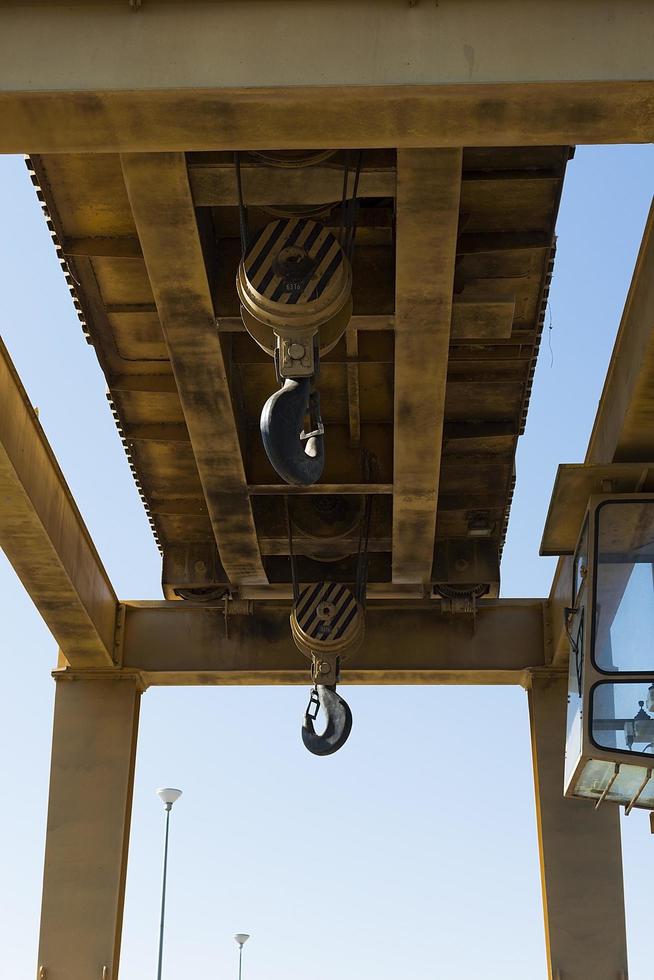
column 299, row 458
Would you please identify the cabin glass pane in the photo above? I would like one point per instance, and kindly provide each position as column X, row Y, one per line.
column 580, row 563
column 620, row 719
column 624, row 589
column 574, row 733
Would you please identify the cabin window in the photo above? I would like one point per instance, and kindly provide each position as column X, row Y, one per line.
column 624, row 587
column 622, row 718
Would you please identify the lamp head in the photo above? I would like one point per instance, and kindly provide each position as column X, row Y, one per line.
column 241, row 938
column 168, row 796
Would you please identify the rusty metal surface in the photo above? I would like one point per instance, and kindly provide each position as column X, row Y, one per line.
column 504, row 251
column 223, row 647
column 44, row 537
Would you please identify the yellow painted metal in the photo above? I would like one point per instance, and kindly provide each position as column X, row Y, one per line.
column 44, row 536
column 91, row 780
column 623, row 430
column 574, row 484
column 401, row 82
column 489, row 42
column 182, row 643
column 357, row 116
column 428, row 192
column 162, row 205
column 580, row 856
column 213, row 184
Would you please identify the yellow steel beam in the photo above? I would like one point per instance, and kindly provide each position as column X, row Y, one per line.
column 182, row 643
column 534, row 114
column 581, row 861
column 160, row 197
column 91, row 781
column 473, row 319
column 44, row 537
column 428, row 192
column 213, row 184
column 623, row 431
column 418, row 74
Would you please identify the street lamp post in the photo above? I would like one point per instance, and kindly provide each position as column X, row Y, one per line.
column 167, row 796
column 241, row 938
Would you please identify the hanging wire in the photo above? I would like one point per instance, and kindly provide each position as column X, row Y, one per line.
column 242, row 210
column 353, row 210
column 289, row 531
column 362, row 555
column 346, row 178
column 549, row 334
column 371, row 475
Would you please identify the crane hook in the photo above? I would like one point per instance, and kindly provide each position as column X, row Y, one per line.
column 339, row 721
column 298, row 456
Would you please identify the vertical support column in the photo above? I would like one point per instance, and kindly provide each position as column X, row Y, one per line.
column 91, row 782
column 580, row 855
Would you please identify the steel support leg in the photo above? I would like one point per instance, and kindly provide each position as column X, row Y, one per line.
column 91, row 781
column 580, row 855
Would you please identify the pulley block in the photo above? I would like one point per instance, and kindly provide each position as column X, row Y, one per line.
column 327, row 623
column 294, row 283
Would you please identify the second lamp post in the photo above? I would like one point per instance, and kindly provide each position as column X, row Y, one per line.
column 241, row 938
column 167, row 796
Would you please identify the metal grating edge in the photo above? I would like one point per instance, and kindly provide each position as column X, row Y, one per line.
column 53, row 224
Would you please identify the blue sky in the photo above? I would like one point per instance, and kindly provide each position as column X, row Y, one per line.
column 411, row 852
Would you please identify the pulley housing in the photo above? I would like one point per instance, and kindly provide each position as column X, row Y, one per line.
column 327, row 622
column 295, row 287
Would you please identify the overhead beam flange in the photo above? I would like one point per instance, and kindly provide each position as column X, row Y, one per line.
column 160, row 196
column 428, row 192
column 44, row 537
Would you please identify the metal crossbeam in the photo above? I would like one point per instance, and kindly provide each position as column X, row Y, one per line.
column 44, row 536
column 420, row 75
column 428, row 192
column 160, row 197
column 183, row 643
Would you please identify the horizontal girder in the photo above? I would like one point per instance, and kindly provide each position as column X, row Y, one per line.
column 405, row 643
column 166, row 45
column 515, row 114
column 44, row 537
